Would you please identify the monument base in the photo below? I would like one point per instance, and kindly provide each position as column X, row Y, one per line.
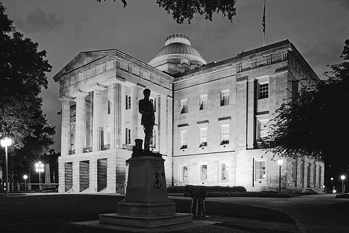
column 145, row 221
column 146, row 204
column 147, row 209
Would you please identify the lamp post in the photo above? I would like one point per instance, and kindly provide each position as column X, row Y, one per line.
column 333, row 188
column 5, row 143
column 342, row 178
column 25, row 177
column 280, row 162
column 39, row 167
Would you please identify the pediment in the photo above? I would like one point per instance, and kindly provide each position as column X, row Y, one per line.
column 82, row 59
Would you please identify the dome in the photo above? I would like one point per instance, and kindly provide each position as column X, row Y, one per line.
column 177, row 47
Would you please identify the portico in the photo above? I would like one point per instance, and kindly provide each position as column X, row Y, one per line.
column 100, row 91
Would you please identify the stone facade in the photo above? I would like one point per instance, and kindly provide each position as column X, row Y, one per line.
column 209, row 119
column 227, row 105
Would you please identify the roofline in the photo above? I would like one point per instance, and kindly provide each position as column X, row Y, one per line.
column 238, row 57
column 243, row 55
column 115, row 52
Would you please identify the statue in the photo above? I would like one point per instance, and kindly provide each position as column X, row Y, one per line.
column 148, row 118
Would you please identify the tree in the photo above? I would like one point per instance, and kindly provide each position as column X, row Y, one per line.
column 185, row 10
column 22, row 75
column 316, row 124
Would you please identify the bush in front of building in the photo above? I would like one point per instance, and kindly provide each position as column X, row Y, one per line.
column 225, row 191
column 247, row 194
column 184, row 189
column 176, row 189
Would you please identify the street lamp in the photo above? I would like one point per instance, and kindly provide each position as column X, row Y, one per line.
column 5, row 143
column 39, row 167
column 280, row 162
column 342, row 178
column 333, row 188
column 25, row 177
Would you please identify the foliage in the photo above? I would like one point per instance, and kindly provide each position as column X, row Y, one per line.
column 315, row 124
column 185, row 10
column 22, row 75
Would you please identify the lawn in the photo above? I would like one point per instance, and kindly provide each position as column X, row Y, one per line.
column 54, row 213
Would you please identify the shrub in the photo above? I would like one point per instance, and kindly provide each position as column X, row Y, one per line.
column 176, row 189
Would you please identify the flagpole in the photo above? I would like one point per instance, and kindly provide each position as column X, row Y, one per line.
column 263, row 22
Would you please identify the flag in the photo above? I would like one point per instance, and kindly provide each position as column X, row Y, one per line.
column 263, row 21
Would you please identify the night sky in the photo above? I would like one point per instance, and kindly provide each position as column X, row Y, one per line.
column 64, row 28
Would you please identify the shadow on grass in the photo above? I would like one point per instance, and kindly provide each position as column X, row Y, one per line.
column 53, row 213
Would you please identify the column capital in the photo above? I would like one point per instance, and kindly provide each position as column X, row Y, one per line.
column 79, row 94
column 66, row 98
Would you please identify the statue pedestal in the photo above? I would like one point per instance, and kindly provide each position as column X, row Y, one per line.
column 146, row 203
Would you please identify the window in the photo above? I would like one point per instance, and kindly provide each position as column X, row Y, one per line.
column 107, row 138
column 314, row 176
column 224, row 171
column 184, row 139
column 184, row 174
column 153, row 100
column 117, row 64
column 203, row 137
column 254, row 64
column 319, row 176
column 302, row 173
column 294, row 89
column 284, row 56
column 128, row 102
column 127, row 136
column 294, row 172
column 308, row 174
column 224, row 134
column 260, row 170
column 203, row 102
column 184, row 106
column 262, row 129
column 263, row 90
column 203, row 172
column 224, row 97
column 109, row 105
column 269, row 60
column 152, row 143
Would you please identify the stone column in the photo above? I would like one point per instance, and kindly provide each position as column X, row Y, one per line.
column 97, row 109
column 80, row 125
column 61, row 175
column 66, row 131
column 136, row 117
column 169, row 145
column 251, row 114
column 112, row 99
column 162, row 124
column 118, row 116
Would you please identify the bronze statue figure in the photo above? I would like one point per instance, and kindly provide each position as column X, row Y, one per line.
column 148, row 118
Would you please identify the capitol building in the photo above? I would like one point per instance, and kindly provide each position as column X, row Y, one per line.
column 209, row 117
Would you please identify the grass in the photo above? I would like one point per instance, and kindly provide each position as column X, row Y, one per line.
column 54, row 213
column 341, row 208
